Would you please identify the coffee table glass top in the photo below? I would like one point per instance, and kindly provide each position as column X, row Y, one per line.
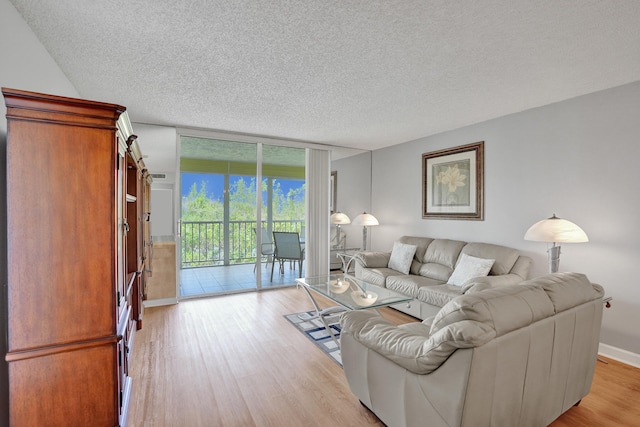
column 352, row 293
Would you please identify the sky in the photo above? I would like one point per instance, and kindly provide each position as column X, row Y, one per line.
column 215, row 183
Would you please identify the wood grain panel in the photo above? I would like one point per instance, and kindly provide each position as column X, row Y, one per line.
column 61, row 228
column 65, row 389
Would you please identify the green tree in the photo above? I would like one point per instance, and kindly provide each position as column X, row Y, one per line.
column 197, row 206
column 291, row 206
column 203, row 218
column 242, row 200
column 199, row 238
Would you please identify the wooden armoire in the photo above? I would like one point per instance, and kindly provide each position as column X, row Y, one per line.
column 77, row 259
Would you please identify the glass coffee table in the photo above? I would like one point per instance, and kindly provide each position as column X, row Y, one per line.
column 349, row 293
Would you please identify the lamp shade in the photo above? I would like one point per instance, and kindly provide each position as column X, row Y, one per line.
column 340, row 218
column 365, row 219
column 556, row 230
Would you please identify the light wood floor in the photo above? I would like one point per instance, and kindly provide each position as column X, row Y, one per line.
column 235, row 361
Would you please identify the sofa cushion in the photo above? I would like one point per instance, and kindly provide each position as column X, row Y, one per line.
column 410, row 284
column 469, row 267
column 377, row 276
column 422, row 243
column 435, row 271
column 504, row 309
column 401, row 257
column 504, row 257
column 444, row 252
column 440, row 259
column 440, row 295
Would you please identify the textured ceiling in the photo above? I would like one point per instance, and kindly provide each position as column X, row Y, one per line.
column 363, row 74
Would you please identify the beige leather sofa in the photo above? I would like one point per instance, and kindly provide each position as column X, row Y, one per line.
column 433, row 264
column 518, row 355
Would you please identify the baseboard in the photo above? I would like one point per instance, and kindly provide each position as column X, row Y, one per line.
column 160, row 302
column 619, row 354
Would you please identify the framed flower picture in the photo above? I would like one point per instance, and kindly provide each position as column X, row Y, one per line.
column 453, row 183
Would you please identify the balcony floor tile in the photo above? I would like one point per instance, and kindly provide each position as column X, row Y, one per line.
column 201, row 281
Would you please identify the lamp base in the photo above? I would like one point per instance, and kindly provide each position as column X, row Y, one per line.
column 364, row 238
column 554, row 258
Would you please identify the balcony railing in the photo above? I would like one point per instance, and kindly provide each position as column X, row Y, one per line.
column 203, row 242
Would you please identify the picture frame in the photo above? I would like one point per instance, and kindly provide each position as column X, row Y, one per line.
column 453, row 183
column 333, row 190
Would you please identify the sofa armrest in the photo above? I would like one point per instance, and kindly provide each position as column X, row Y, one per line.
column 380, row 335
column 373, row 259
column 428, row 321
column 477, row 284
column 411, row 346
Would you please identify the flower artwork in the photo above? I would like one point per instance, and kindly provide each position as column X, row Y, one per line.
column 453, row 183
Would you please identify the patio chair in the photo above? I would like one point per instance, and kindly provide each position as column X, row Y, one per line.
column 266, row 248
column 287, row 248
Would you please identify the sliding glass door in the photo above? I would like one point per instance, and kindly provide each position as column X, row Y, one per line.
column 225, row 240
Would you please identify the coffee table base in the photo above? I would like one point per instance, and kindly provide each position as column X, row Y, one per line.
column 322, row 313
column 349, row 293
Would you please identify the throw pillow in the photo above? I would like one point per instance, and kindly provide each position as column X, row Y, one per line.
column 401, row 257
column 468, row 268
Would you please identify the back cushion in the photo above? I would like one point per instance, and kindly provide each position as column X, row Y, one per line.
column 504, row 257
column 421, row 244
column 440, row 258
column 566, row 290
column 504, row 309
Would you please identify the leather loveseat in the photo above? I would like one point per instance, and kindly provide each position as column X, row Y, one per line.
column 425, row 268
column 518, row 355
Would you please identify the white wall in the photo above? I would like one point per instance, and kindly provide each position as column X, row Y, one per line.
column 354, row 192
column 162, row 218
column 161, row 141
column 577, row 158
column 159, row 148
column 26, row 64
